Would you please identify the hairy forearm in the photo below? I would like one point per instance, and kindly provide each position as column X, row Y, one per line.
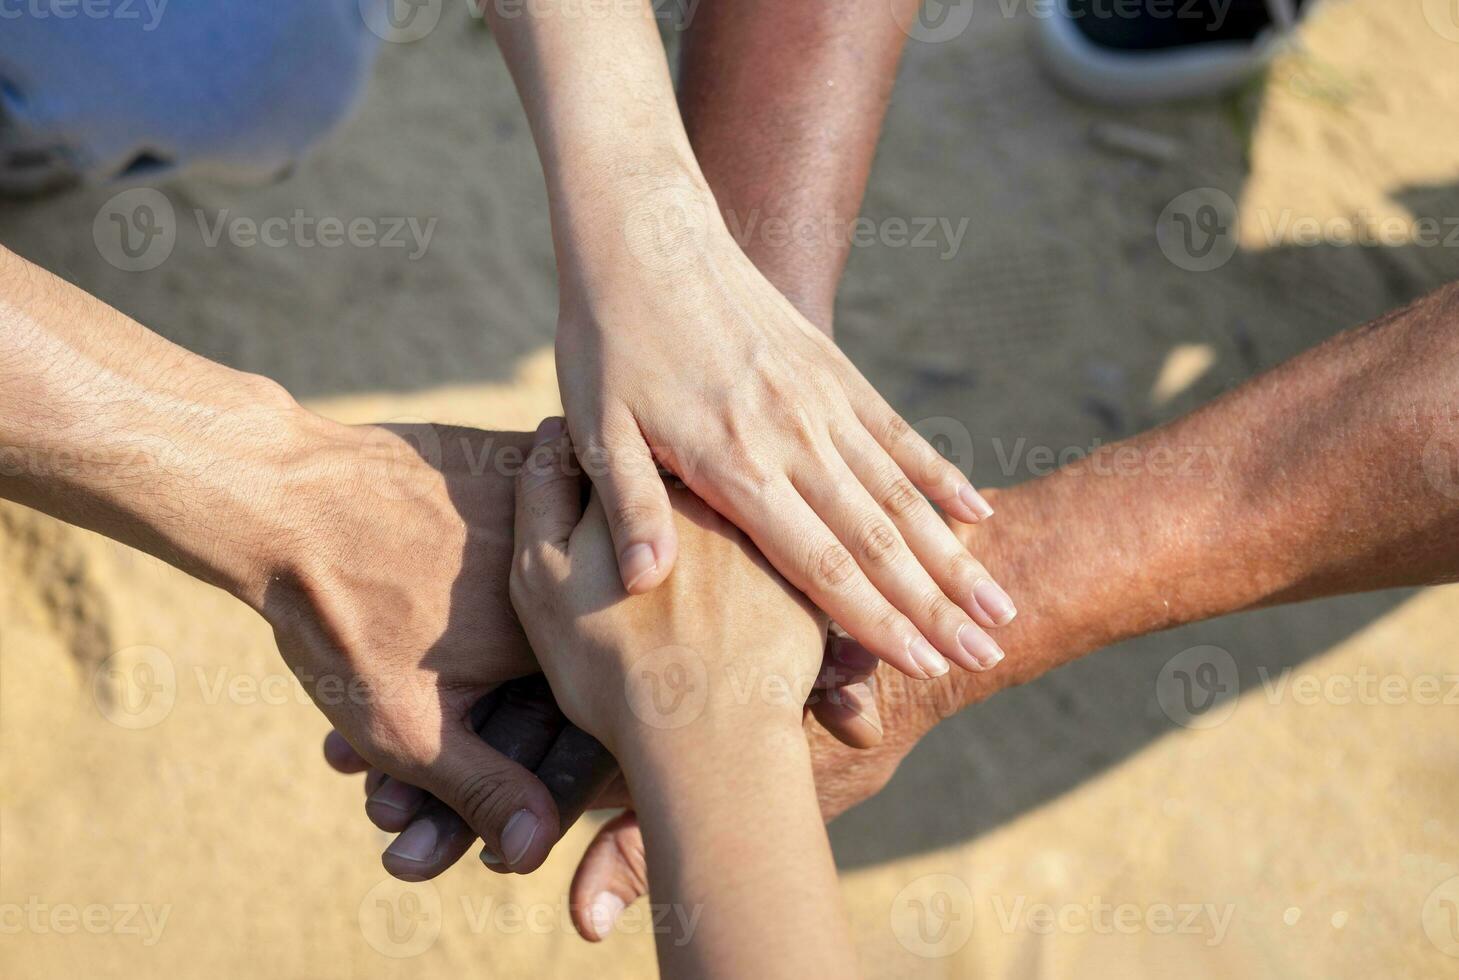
column 106, row 425
column 783, row 103
column 1332, row 473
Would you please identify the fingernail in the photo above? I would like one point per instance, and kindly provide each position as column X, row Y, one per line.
column 548, row 429
column 979, row 645
column 995, row 602
column 417, row 842
column 975, row 502
column 604, row 912
column 862, row 705
column 517, row 837
column 638, row 560
column 396, row 795
column 490, row 858
column 928, row 658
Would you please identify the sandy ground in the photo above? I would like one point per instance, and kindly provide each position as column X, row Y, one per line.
column 1067, row 828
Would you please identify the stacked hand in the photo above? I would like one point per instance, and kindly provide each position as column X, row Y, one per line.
column 703, row 367
column 523, row 722
column 415, row 654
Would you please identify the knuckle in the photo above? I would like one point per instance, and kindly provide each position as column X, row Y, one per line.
column 899, row 498
column 633, row 861
column 519, row 589
column 965, row 571
column 743, row 473
column 936, row 609
column 895, row 429
column 833, row 565
column 876, row 542
column 801, row 426
column 526, row 565
column 483, row 797
column 632, row 513
column 887, row 623
column 392, row 748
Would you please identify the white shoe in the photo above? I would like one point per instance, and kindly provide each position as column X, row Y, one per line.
column 1133, row 75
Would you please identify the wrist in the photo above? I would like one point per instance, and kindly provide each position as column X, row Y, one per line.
column 675, row 761
column 714, row 737
column 244, row 524
column 648, row 214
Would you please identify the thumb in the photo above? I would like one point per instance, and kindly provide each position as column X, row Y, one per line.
column 506, row 805
column 637, row 505
column 549, row 491
column 844, row 701
column 611, row 876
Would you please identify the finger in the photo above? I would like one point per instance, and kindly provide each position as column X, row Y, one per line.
column 507, row 806
column 639, row 517
column 839, row 498
column 956, row 572
column 520, row 719
column 577, row 772
column 391, row 803
column 850, row 714
column 549, row 492
column 844, row 661
column 434, row 840
column 611, row 876
column 341, row 755
column 523, row 728
column 843, row 702
column 922, row 464
column 810, row 557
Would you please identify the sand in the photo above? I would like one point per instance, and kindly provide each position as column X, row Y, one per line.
column 1066, row 828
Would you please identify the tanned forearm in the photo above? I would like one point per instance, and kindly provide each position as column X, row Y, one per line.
column 784, row 102
column 1332, row 473
column 1329, row 474
column 106, row 425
